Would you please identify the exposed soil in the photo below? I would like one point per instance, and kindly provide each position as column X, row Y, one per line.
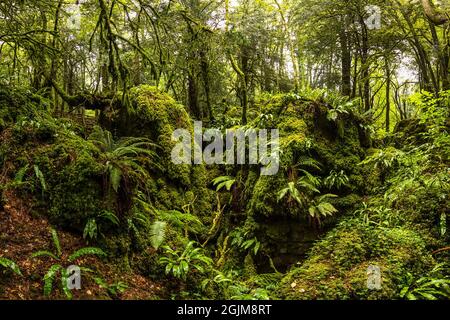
column 22, row 234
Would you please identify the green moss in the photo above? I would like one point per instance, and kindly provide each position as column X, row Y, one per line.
column 17, row 103
column 156, row 115
column 70, row 190
column 337, row 266
column 305, row 132
column 264, row 196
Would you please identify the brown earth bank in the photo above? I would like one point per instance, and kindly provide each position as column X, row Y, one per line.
column 22, row 234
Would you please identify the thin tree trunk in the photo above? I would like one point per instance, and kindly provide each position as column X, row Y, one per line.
column 388, row 95
column 346, row 63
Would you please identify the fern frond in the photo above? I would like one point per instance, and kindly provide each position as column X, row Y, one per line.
column 56, row 242
column 180, row 220
column 21, row 173
column 310, row 162
column 157, row 233
column 86, row 251
column 9, row 264
column 64, row 284
column 115, row 176
column 41, row 178
column 50, row 277
column 44, row 253
column 108, row 215
column 224, row 181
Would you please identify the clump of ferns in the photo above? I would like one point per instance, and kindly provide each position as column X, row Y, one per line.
column 126, row 161
column 57, row 268
column 302, row 193
column 155, row 224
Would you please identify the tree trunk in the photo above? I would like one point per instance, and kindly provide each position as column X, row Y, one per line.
column 204, row 67
column 346, row 63
column 388, row 95
column 193, row 97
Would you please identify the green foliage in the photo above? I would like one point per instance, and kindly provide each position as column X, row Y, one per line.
column 336, row 180
column 93, row 226
column 393, row 228
column 57, row 267
column 384, row 159
column 220, row 280
column 21, row 173
column 320, row 207
column 91, row 229
column 302, row 193
column 49, row 278
column 181, row 264
column 243, row 240
column 224, row 182
column 40, row 177
column 231, row 286
column 434, row 286
column 336, row 114
column 114, row 289
column 157, row 233
column 291, row 191
column 121, row 157
column 11, row 265
column 84, row 252
column 181, row 220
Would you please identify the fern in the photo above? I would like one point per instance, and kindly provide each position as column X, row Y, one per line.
column 291, row 191
column 64, row 284
column 93, row 226
column 309, row 181
column 115, row 177
column 91, row 229
column 157, row 233
column 181, row 220
column 180, row 264
column 86, row 251
column 56, row 242
column 44, row 253
column 224, row 182
column 57, row 269
column 50, row 277
column 309, row 162
column 41, row 178
column 336, row 179
column 9, row 264
column 122, row 156
column 267, row 280
column 434, row 286
column 109, row 216
column 320, row 207
column 21, row 173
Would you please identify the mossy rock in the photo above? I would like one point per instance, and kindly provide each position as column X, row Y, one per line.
column 306, row 132
column 73, row 177
column 337, row 266
column 155, row 115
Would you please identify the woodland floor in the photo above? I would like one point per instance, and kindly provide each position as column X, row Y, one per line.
column 21, row 235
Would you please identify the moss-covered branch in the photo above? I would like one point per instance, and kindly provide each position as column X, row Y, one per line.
column 86, row 100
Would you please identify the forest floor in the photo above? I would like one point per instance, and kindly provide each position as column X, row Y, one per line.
column 21, row 235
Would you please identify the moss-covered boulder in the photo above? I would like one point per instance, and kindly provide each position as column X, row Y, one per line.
column 60, row 172
column 65, row 176
column 309, row 131
column 337, row 267
column 155, row 115
column 314, row 137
